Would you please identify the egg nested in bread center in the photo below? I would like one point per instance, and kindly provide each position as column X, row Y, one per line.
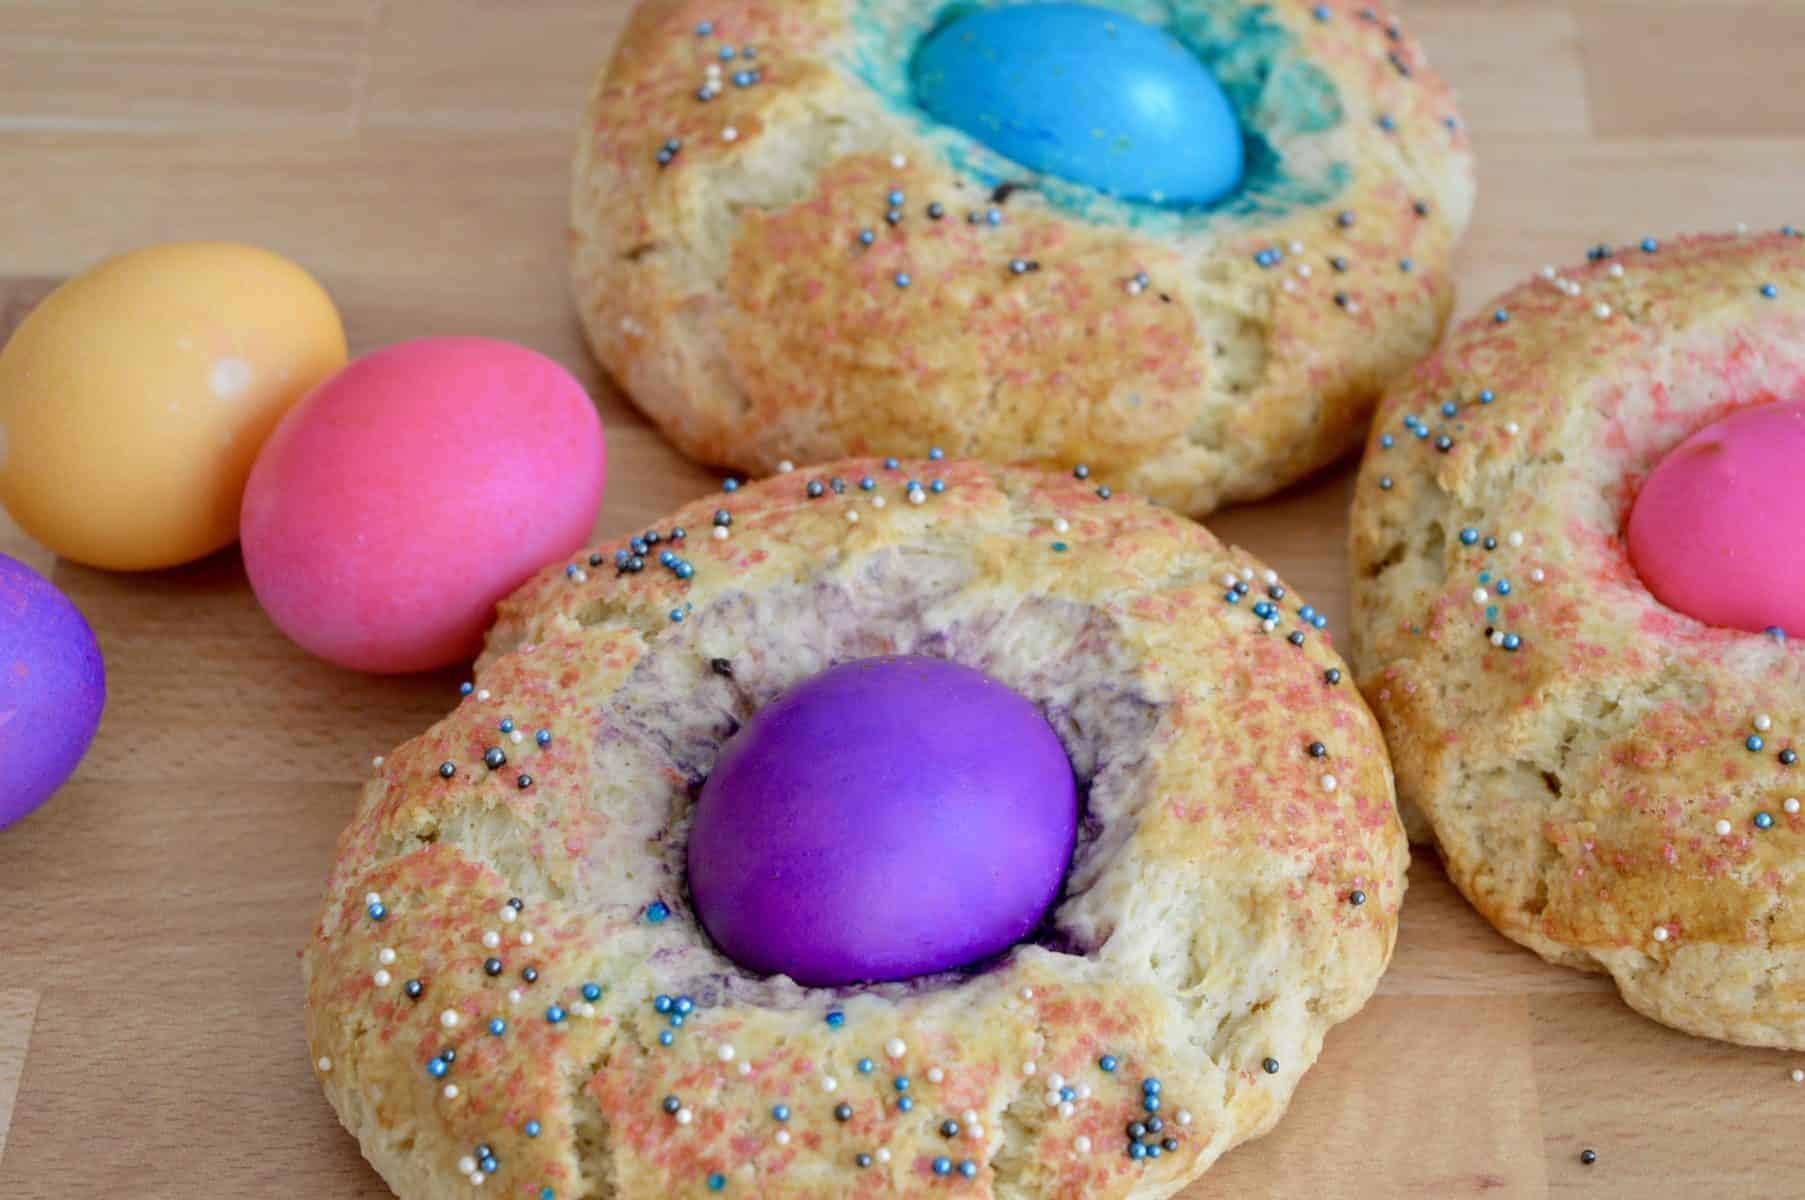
column 1085, row 93
column 887, row 818
column 1714, row 530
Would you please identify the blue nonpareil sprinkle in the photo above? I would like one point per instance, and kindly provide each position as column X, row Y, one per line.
column 498, row 1027
column 554, row 1014
column 656, row 911
column 532, row 1129
column 835, row 1019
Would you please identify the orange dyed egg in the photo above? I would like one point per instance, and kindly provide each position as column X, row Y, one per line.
column 134, row 399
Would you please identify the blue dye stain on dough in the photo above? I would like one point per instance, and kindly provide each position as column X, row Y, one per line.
column 1088, row 95
column 1281, row 103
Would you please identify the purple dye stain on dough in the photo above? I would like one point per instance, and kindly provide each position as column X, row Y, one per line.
column 52, row 689
column 888, row 818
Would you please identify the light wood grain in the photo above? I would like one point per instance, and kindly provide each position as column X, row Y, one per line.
column 412, row 153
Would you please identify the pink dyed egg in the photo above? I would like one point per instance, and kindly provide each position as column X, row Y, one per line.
column 1715, row 532
column 404, row 496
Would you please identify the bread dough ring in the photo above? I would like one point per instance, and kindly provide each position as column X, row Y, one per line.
column 1582, row 755
column 1196, row 357
column 1235, row 891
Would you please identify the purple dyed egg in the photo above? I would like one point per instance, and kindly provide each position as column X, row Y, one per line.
column 890, row 817
column 52, row 688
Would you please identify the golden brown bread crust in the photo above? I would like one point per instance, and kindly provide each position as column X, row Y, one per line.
column 1574, row 785
column 1214, row 898
column 728, row 295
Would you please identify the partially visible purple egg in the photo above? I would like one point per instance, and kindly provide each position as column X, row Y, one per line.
column 53, row 686
column 890, row 817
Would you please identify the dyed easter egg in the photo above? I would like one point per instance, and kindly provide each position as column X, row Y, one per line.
column 1715, row 531
column 53, row 686
column 398, row 502
column 134, row 399
column 887, row 818
column 1086, row 94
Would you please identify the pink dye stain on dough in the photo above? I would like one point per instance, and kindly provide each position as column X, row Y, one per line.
column 1716, row 532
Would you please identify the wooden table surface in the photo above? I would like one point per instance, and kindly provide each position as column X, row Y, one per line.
column 412, row 153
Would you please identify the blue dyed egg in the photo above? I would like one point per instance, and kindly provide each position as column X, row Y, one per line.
column 1085, row 94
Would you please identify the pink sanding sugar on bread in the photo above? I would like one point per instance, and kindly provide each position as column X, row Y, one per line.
column 1715, row 530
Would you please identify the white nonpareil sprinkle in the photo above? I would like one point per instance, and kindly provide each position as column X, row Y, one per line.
column 1060, row 524
column 726, row 1053
column 449, row 1018
column 1027, row 993
column 917, row 496
column 513, row 995
column 376, row 762
column 1616, row 270
column 517, row 737
column 491, row 939
column 381, row 978
column 1602, row 311
column 783, row 1137
column 1330, row 783
column 895, row 1048
column 883, row 1154
column 1537, row 575
column 526, row 935
column 1512, row 428
column 935, row 1075
column 1798, row 1076
column 466, row 1165
column 451, row 1091
column 745, row 1068
column 372, row 898
column 1481, row 596
column 1548, row 271
column 585, row 1010
column 1067, row 1108
column 1764, row 722
column 785, row 467
column 730, row 134
column 684, row 1116
column 852, row 514
column 1660, row 933
column 1081, row 1144
column 1184, row 1116
column 1028, row 1068
column 1290, row 285
column 385, row 956
column 1269, row 625
column 830, row 1084
column 969, row 1116
column 1515, row 537
column 477, row 1178
column 899, row 161
column 1790, row 805
column 325, row 1064
column 507, row 914
column 877, row 502
column 483, row 695
column 1722, row 827
column 720, row 533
